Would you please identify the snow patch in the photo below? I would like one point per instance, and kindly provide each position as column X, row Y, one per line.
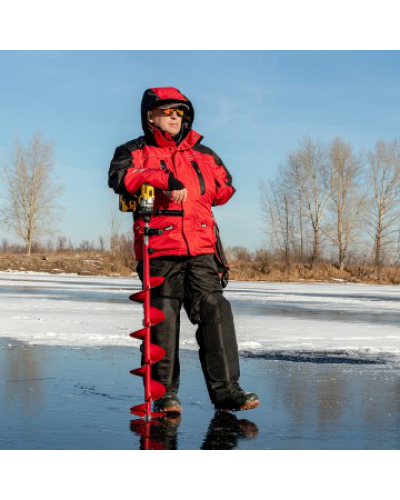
column 82, row 311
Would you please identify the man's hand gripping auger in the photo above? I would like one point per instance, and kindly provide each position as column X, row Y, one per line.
column 152, row 353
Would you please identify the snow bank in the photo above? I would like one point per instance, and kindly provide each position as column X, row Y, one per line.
column 75, row 311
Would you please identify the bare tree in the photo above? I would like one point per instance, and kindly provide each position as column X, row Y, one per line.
column 277, row 213
column 347, row 197
column 308, row 170
column 115, row 229
column 102, row 242
column 61, row 243
column 50, row 245
column 289, row 181
column 30, row 207
column 5, row 245
column 384, row 177
column 86, row 246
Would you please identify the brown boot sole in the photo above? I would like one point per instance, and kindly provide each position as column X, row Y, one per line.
column 250, row 405
column 247, row 406
column 172, row 409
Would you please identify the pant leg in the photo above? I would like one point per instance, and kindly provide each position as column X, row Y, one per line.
column 168, row 298
column 166, row 335
column 216, row 336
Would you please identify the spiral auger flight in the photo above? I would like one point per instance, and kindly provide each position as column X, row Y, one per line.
column 151, row 353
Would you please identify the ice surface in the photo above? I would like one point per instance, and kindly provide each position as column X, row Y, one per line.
column 76, row 311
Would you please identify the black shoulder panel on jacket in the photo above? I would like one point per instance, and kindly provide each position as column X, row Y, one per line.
column 121, row 161
column 135, row 144
column 208, row 151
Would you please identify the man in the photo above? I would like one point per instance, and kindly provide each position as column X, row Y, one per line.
column 190, row 177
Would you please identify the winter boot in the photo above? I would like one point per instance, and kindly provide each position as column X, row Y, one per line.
column 238, row 400
column 168, row 403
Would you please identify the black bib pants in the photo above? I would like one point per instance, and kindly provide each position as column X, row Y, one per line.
column 194, row 282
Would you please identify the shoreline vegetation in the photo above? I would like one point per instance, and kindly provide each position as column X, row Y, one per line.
column 243, row 268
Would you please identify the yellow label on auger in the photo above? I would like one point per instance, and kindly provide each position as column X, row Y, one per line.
column 127, row 203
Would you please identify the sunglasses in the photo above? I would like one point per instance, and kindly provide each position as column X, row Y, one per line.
column 169, row 111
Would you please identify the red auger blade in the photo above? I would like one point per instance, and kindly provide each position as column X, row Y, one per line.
column 156, row 353
column 157, row 390
column 139, row 334
column 139, row 410
column 156, row 281
column 139, row 371
column 156, row 316
column 138, row 296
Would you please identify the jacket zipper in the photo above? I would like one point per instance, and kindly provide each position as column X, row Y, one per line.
column 183, row 218
column 200, row 176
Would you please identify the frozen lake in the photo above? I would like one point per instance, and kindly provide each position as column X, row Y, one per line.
column 324, row 359
column 321, row 321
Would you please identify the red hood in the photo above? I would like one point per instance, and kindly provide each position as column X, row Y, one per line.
column 163, row 95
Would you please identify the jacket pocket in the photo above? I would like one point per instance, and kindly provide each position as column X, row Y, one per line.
column 200, row 177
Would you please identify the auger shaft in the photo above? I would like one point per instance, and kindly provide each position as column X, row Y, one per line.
column 146, row 345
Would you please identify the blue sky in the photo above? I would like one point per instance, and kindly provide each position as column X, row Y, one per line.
column 251, row 107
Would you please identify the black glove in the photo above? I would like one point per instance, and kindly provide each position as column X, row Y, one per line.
column 174, row 184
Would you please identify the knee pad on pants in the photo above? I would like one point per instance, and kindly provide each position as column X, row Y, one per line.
column 217, row 339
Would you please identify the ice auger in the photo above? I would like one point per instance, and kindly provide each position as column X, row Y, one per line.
column 152, row 353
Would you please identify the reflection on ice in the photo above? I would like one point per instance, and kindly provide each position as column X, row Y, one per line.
column 62, row 398
column 224, row 432
column 359, row 357
column 226, row 429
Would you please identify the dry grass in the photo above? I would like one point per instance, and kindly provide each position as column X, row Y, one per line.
column 279, row 271
column 122, row 263
column 82, row 263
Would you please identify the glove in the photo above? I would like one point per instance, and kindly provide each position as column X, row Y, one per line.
column 174, row 184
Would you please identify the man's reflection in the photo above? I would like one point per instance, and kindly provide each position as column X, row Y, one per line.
column 223, row 433
column 157, row 434
column 225, row 430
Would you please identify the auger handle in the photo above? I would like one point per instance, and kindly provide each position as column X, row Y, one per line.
column 172, row 213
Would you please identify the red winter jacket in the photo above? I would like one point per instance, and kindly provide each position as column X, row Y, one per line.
column 150, row 159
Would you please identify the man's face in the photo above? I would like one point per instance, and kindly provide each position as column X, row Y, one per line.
column 171, row 124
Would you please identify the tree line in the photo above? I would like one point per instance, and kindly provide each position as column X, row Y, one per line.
column 328, row 202
column 56, row 244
